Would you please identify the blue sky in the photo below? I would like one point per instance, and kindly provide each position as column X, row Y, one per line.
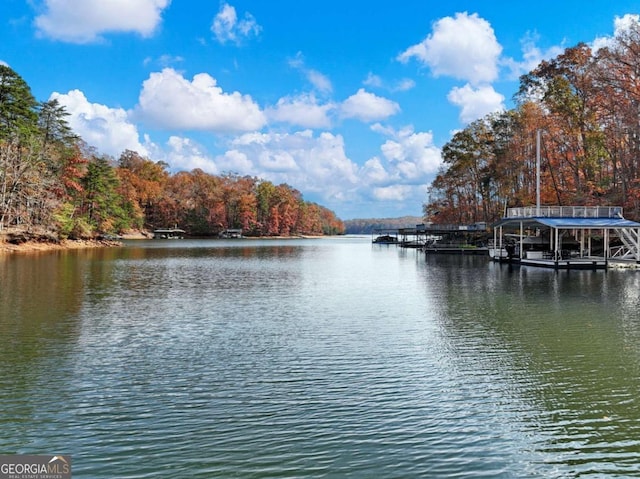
column 348, row 101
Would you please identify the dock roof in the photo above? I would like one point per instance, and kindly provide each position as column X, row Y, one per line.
column 570, row 223
column 568, row 217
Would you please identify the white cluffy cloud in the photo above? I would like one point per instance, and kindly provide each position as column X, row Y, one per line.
column 463, row 47
column 303, row 110
column 86, row 20
column 228, row 28
column 621, row 25
column 307, row 111
column 186, row 154
column 393, row 193
column 367, row 107
column 170, row 101
column 412, row 155
column 475, row 103
column 312, row 163
column 408, row 163
column 107, row 129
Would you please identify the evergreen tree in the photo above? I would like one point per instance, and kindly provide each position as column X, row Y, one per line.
column 17, row 105
column 103, row 205
column 53, row 125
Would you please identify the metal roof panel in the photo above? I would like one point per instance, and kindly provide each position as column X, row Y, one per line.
column 568, row 222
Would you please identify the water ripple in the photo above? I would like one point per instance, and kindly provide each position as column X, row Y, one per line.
column 323, row 359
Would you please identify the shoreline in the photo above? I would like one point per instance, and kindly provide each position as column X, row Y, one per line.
column 33, row 246
column 47, row 244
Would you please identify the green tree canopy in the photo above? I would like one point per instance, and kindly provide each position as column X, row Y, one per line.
column 17, row 105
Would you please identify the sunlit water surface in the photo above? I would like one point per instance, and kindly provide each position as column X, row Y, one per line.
column 317, row 358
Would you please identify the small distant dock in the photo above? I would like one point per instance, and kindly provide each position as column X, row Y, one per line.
column 231, row 233
column 168, row 233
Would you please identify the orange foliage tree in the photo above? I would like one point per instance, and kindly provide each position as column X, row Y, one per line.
column 586, row 106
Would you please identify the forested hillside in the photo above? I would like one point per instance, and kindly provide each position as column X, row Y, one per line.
column 369, row 225
column 586, row 104
column 53, row 183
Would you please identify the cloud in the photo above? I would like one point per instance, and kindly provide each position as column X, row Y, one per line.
column 367, row 107
column 170, row 101
column 319, row 81
column 376, row 81
column 107, row 129
column 393, row 193
column 373, row 172
column 464, row 47
column 315, row 164
column 621, row 25
column 164, row 61
column 399, row 178
column 299, row 158
column 412, row 156
column 404, row 84
column 532, row 55
column 86, row 20
column 185, row 154
column 227, row 28
column 303, row 110
column 475, row 102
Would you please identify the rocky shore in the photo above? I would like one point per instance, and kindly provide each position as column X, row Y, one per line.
column 22, row 242
column 33, row 246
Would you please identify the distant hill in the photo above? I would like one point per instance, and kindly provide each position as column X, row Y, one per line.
column 368, row 225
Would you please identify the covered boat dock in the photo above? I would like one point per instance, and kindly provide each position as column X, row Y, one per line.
column 168, row 233
column 437, row 238
column 566, row 237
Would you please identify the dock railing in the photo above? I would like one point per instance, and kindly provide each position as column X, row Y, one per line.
column 444, row 228
column 565, row 212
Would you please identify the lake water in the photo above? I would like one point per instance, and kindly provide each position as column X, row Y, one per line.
column 317, row 358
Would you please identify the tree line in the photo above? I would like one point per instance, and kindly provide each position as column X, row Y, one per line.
column 586, row 106
column 52, row 181
column 370, row 225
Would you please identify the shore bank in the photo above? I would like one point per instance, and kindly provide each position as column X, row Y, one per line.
column 19, row 242
column 31, row 246
column 46, row 243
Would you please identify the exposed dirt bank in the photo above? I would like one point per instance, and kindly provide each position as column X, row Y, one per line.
column 20, row 242
column 33, row 246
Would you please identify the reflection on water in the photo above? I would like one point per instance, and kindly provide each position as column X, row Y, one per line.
column 308, row 358
column 567, row 342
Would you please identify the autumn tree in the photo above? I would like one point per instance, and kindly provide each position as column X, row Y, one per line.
column 617, row 71
column 52, row 180
column 142, row 184
column 38, row 157
column 586, row 108
column 567, row 85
